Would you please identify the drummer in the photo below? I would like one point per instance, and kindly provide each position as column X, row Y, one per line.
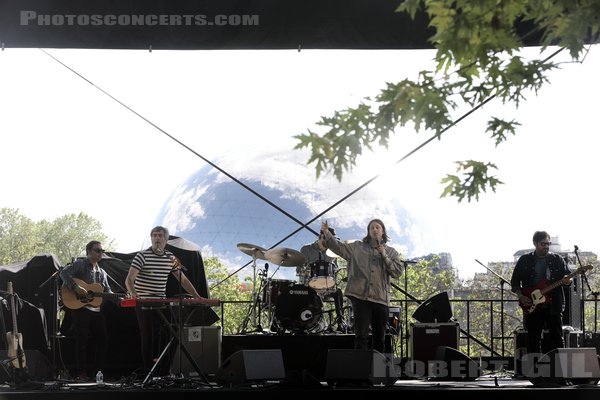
column 317, row 252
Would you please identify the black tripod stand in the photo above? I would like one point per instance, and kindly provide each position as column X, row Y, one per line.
column 176, row 335
column 502, row 282
column 55, row 336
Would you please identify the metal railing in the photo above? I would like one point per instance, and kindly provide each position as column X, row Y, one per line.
column 487, row 326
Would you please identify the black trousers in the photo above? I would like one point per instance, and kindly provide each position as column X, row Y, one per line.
column 368, row 314
column 535, row 323
column 89, row 325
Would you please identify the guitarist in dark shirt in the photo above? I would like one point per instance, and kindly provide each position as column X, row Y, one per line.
column 538, row 270
column 88, row 320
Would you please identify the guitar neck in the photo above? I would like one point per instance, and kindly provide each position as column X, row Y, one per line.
column 559, row 282
column 11, row 294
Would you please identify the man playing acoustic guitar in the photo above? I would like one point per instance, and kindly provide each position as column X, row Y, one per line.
column 535, row 271
column 88, row 319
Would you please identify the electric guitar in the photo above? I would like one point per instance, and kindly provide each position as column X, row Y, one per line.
column 538, row 294
column 95, row 295
column 14, row 338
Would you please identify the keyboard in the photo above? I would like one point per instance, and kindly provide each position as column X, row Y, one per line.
column 170, row 302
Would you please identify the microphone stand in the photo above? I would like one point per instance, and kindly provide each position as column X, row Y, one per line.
column 180, row 312
column 406, row 296
column 405, row 292
column 502, row 282
column 595, row 294
column 54, row 314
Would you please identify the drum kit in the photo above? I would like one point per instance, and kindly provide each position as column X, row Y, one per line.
column 292, row 306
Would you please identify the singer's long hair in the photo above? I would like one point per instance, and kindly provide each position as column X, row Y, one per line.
column 384, row 237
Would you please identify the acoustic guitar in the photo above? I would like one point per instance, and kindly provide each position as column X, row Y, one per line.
column 95, row 295
column 539, row 294
column 14, row 338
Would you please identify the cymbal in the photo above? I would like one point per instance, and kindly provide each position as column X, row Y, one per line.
column 285, row 257
column 252, row 250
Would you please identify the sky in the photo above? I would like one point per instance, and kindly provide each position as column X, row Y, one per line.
column 67, row 147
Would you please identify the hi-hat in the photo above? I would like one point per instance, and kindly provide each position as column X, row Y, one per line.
column 252, row 250
column 285, row 257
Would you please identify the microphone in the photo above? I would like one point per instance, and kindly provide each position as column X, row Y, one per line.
column 266, row 267
column 576, row 248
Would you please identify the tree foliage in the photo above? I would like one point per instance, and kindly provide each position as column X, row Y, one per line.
column 66, row 236
column 478, row 58
column 230, row 290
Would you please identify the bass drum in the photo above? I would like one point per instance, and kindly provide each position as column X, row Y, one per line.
column 298, row 309
column 273, row 289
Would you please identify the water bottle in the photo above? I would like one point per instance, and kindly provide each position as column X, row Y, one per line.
column 99, row 379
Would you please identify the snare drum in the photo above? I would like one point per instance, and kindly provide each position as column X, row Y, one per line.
column 322, row 275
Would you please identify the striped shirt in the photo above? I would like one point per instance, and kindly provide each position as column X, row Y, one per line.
column 154, row 271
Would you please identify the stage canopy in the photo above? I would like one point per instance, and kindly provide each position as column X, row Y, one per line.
column 210, row 24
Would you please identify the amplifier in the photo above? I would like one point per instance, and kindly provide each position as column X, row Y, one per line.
column 204, row 345
column 573, row 338
column 426, row 337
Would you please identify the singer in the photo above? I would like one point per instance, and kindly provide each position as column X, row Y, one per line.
column 371, row 265
column 89, row 322
column 147, row 277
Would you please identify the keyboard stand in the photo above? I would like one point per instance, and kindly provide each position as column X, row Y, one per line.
column 182, row 348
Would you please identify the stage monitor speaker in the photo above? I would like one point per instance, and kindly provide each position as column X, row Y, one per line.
column 424, row 340
column 37, row 365
column 368, row 367
column 434, row 309
column 204, row 345
column 570, row 366
column 247, row 366
column 451, row 364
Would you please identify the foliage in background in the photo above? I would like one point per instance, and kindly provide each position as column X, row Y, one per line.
column 231, row 290
column 22, row 238
column 478, row 58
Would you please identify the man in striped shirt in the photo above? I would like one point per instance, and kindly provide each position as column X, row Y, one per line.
column 147, row 278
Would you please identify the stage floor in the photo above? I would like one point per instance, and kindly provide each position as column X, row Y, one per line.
column 477, row 389
column 326, row 365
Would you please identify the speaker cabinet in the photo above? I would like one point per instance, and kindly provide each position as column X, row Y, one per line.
column 368, row 367
column 520, row 346
column 424, row 340
column 452, row 364
column 436, row 309
column 247, row 366
column 37, row 365
column 572, row 338
column 570, row 366
column 204, row 345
